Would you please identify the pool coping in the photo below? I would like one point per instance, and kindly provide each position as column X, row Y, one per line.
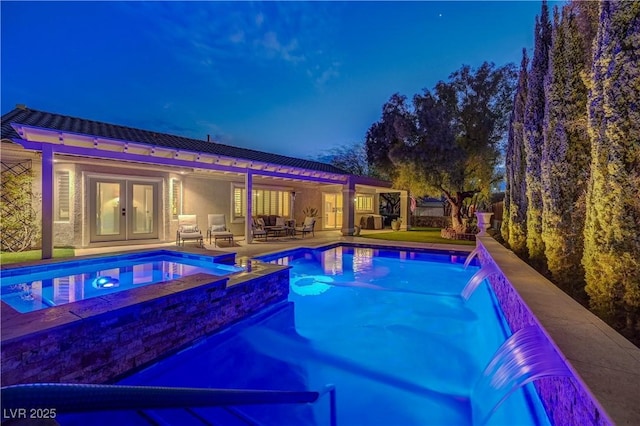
column 607, row 364
column 444, row 249
column 217, row 257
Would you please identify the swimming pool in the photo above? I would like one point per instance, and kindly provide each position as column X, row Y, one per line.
column 387, row 327
column 32, row 288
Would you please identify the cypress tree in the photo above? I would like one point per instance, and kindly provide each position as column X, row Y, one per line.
column 612, row 230
column 566, row 152
column 533, row 126
column 504, row 226
column 514, row 227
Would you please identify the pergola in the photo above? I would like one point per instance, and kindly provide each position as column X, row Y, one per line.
column 51, row 143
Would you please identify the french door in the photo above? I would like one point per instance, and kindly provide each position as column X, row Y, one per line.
column 123, row 209
column 332, row 210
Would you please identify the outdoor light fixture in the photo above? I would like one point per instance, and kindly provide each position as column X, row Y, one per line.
column 105, row 282
column 310, row 285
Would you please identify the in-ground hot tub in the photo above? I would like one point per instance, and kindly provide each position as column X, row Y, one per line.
column 31, row 288
column 97, row 339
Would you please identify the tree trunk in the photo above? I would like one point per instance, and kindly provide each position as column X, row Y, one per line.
column 456, row 202
column 456, row 217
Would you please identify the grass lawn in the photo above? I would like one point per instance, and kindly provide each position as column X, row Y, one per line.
column 23, row 256
column 418, row 235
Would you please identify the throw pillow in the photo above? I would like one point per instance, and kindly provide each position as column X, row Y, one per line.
column 189, row 228
column 218, row 228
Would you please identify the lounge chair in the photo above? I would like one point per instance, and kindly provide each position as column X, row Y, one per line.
column 188, row 229
column 257, row 229
column 217, row 229
column 307, row 226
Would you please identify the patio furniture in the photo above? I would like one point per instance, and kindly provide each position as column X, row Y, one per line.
column 257, row 229
column 306, row 227
column 371, row 221
column 282, row 227
column 217, row 229
column 276, row 232
column 188, row 230
column 268, row 219
column 290, row 226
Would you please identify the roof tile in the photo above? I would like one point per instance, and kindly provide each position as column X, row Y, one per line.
column 66, row 123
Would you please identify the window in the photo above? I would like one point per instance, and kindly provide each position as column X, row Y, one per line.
column 364, row 203
column 239, row 208
column 176, row 198
column 62, row 197
column 263, row 201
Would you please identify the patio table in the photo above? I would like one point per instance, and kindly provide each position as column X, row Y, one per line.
column 276, row 231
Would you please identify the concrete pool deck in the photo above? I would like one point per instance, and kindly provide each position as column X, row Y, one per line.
column 260, row 247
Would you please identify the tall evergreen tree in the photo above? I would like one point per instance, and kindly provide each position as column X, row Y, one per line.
column 533, row 122
column 514, row 226
column 612, row 243
column 566, row 152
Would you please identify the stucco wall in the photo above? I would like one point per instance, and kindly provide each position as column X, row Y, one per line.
column 308, row 197
column 204, row 196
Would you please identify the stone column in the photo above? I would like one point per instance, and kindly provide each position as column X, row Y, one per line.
column 405, row 212
column 47, row 201
column 248, row 185
column 348, row 208
column 292, row 205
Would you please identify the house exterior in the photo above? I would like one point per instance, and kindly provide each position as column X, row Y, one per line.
column 103, row 184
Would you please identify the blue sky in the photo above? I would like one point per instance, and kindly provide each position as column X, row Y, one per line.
column 294, row 78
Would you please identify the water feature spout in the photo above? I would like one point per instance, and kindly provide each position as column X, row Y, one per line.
column 470, row 257
column 524, row 357
column 477, row 278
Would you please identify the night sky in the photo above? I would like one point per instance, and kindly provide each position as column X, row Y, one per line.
column 292, row 78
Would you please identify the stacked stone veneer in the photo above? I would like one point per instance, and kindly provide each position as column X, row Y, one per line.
column 97, row 340
column 565, row 399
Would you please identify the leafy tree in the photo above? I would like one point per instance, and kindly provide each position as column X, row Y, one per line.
column 445, row 142
column 612, row 246
column 514, row 225
column 533, row 122
column 387, row 133
column 350, row 158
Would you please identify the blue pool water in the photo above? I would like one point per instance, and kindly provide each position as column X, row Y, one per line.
column 387, row 328
column 38, row 287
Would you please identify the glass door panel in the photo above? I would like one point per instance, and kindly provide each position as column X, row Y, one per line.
column 332, row 210
column 108, row 216
column 338, row 211
column 143, row 209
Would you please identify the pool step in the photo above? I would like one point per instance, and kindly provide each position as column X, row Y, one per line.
column 213, row 416
column 104, row 418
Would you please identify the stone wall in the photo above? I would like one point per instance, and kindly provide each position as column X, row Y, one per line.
column 97, row 340
column 565, row 399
